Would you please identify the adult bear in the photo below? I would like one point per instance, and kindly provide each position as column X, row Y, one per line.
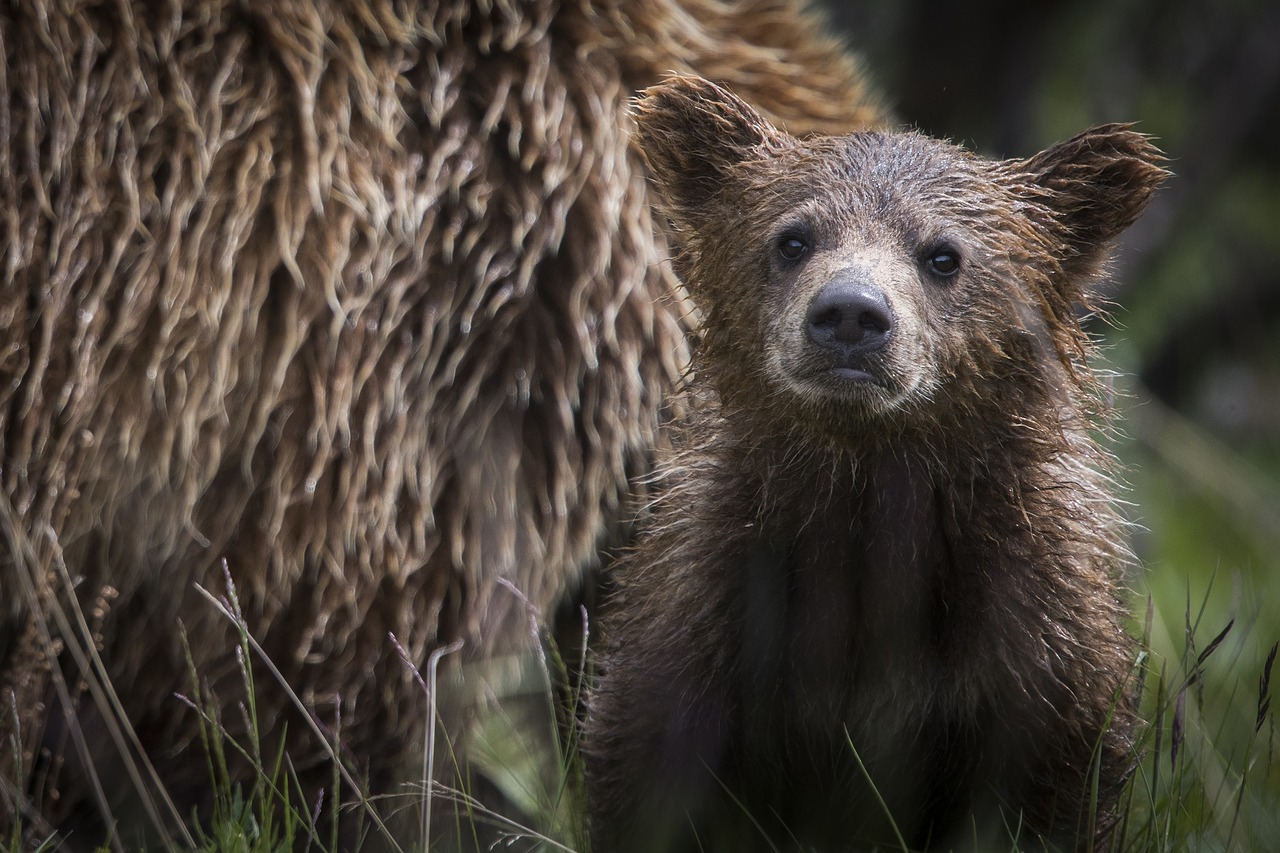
column 362, row 300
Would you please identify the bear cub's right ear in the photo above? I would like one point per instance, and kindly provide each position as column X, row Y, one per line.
column 691, row 133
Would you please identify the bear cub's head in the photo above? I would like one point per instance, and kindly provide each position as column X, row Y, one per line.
column 868, row 279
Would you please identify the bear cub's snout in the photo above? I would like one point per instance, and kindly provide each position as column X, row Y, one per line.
column 850, row 318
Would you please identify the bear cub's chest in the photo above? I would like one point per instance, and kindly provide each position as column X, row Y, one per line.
column 843, row 609
column 843, row 622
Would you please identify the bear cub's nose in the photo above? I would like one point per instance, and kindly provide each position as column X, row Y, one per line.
column 850, row 315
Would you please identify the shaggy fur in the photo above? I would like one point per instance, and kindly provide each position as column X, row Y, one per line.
column 363, row 300
column 906, row 552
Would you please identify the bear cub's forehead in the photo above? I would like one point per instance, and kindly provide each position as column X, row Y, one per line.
column 879, row 163
column 895, row 180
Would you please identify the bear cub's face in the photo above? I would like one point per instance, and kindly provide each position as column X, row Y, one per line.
column 881, row 272
column 870, row 272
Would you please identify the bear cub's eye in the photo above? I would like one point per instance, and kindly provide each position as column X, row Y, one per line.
column 792, row 247
column 943, row 261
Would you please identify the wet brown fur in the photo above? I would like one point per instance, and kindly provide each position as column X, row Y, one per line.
column 363, row 299
column 923, row 569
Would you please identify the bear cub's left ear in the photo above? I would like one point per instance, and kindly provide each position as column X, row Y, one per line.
column 1097, row 184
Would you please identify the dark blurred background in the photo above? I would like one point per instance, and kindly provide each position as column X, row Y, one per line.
column 1195, row 324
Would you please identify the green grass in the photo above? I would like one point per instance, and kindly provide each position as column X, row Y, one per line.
column 271, row 814
column 517, row 749
column 1208, row 777
column 1207, row 780
column 516, row 746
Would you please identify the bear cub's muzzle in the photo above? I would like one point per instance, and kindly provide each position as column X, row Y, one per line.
column 850, row 320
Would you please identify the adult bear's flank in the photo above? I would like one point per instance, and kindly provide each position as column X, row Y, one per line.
column 877, row 602
column 362, row 301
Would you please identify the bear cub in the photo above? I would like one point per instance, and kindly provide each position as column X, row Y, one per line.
column 877, row 600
